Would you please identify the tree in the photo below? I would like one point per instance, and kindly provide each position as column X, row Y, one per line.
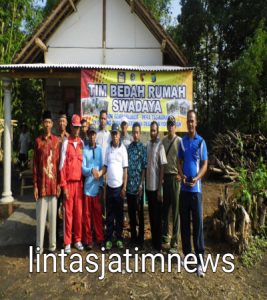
column 248, row 84
column 213, row 35
column 18, row 18
column 160, row 9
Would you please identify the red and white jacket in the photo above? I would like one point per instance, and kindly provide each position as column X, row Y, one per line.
column 71, row 160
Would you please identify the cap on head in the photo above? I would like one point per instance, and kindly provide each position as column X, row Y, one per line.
column 171, row 121
column 92, row 128
column 115, row 127
column 47, row 115
column 76, row 121
column 124, row 120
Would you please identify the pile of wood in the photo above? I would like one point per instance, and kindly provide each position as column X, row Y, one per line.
column 230, row 223
column 235, row 223
column 234, row 150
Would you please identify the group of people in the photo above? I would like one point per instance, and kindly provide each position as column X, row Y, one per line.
column 93, row 171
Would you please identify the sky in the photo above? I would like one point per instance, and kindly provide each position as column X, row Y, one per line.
column 176, row 8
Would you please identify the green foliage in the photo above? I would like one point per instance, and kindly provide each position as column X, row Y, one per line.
column 248, row 83
column 50, row 4
column 259, row 177
column 244, row 187
column 160, row 9
column 253, row 254
column 226, row 43
column 18, row 19
column 249, row 184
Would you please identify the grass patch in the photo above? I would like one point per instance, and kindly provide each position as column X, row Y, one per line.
column 254, row 252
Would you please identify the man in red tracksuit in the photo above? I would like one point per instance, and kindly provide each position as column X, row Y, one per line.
column 71, row 183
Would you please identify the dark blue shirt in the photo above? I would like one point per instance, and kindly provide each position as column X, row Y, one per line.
column 137, row 162
column 192, row 152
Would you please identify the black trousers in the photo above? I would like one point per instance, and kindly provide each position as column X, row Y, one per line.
column 155, row 216
column 136, row 215
column 59, row 228
column 114, row 213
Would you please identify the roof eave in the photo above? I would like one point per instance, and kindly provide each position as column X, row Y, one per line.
column 30, row 53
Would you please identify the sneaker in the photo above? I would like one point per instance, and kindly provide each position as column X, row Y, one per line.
column 173, row 250
column 79, row 246
column 108, row 245
column 200, row 272
column 67, row 249
column 120, row 244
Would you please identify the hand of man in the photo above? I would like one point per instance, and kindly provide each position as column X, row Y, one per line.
column 95, row 174
column 159, row 195
column 123, row 193
column 36, row 194
column 58, row 191
column 178, row 178
column 140, row 189
column 184, row 180
column 193, row 182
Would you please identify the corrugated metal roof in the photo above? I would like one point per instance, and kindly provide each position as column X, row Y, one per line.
column 87, row 66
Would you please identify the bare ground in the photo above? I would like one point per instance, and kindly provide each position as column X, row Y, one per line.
column 17, row 283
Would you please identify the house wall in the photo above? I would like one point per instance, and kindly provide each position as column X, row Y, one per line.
column 79, row 38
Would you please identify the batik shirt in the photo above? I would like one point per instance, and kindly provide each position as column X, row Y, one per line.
column 137, row 159
column 46, row 165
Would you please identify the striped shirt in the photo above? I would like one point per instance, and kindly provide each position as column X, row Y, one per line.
column 156, row 157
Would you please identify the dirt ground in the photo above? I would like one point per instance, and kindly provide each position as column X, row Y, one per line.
column 16, row 282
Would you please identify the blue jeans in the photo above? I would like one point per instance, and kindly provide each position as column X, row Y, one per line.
column 114, row 213
column 191, row 203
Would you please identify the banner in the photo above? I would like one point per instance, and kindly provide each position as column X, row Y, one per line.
column 140, row 96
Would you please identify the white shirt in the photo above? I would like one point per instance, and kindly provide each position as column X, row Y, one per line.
column 103, row 138
column 156, row 157
column 115, row 160
column 126, row 140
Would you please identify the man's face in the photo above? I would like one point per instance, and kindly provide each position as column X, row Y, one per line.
column 153, row 132
column 136, row 133
column 92, row 138
column 103, row 120
column 47, row 125
column 191, row 123
column 62, row 124
column 75, row 130
column 124, row 127
column 115, row 137
column 171, row 129
column 84, row 127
